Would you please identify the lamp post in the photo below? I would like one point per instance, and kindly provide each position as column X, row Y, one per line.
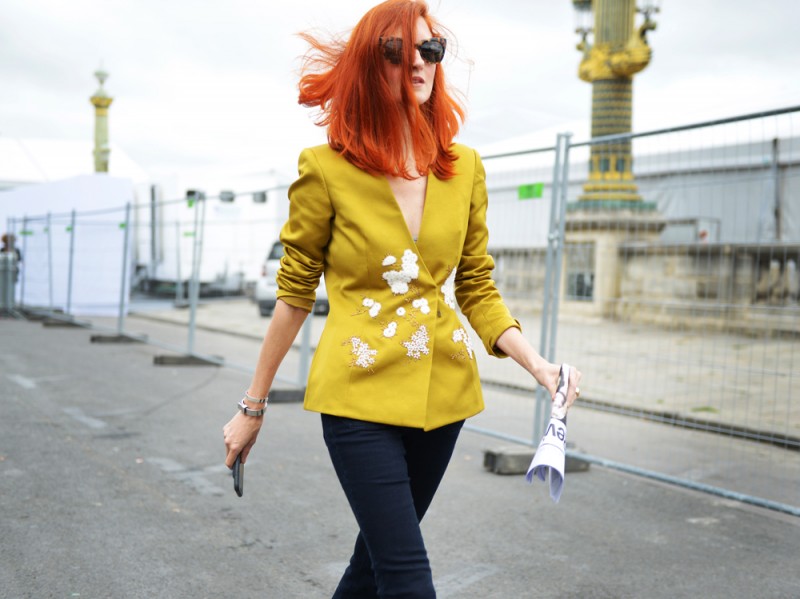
column 101, row 101
column 616, row 53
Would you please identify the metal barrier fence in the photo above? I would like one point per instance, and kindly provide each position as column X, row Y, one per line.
column 678, row 293
column 119, row 270
column 672, row 285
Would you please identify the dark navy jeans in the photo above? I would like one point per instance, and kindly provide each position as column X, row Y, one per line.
column 389, row 475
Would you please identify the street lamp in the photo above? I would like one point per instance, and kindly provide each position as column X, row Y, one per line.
column 616, row 51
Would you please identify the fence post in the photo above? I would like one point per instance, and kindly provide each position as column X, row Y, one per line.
column 194, row 284
column 559, row 257
column 123, row 286
column 50, row 263
column 178, row 279
column 541, row 402
column 24, row 234
column 71, row 262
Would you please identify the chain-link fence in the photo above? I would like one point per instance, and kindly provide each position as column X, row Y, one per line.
column 120, row 270
column 677, row 294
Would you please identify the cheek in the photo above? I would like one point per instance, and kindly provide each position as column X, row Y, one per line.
column 430, row 72
column 393, row 79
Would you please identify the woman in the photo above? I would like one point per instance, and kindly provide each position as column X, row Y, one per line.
column 393, row 213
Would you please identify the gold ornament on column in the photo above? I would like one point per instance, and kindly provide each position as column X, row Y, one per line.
column 618, row 52
column 101, row 101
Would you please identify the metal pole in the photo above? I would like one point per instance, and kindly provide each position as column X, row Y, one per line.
column 71, row 262
column 50, row 262
column 24, row 235
column 550, row 241
column 194, row 284
column 562, row 219
column 123, row 285
column 541, row 401
column 776, row 182
column 178, row 280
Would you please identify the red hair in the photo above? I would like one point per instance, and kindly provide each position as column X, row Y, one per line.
column 347, row 81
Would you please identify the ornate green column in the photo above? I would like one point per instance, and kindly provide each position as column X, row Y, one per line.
column 619, row 50
column 101, row 101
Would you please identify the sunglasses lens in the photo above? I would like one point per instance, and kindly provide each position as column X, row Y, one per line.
column 432, row 51
column 393, row 50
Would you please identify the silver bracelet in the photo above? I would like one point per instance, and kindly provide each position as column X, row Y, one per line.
column 254, row 400
column 249, row 411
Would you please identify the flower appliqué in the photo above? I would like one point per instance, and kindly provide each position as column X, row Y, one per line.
column 398, row 280
column 421, row 304
column 373, row 307
column 461, row 336
column 418, row 344
column 400, row 274
column 449, row 290
column 364, row 354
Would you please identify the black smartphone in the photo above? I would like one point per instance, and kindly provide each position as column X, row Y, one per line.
column 238, row 475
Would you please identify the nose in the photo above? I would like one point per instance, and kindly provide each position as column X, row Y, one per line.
column 417, row 62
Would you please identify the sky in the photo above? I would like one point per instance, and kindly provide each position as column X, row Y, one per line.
column 203, row 85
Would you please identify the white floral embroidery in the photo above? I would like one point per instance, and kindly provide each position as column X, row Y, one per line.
column 418, row 344
column 399, row 274
column 461, row 336
column 449, row 290
column 410, row 264
column 398, row 280
column 421, row 304
column 365, row 355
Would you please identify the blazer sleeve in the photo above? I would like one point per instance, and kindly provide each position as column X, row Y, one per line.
column 305, row 234
column 476, row 292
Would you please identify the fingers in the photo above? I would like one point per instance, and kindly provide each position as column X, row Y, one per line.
column 573, row 392
column 230, row 458
column 239, row 436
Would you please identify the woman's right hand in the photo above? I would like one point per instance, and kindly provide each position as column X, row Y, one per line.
column 240, row 434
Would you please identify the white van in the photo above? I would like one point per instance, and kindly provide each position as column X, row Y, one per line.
column 267, row 287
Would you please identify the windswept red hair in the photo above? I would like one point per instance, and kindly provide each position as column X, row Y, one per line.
column 346, row 80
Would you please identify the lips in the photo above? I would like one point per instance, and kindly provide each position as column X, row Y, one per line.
column 417, row 81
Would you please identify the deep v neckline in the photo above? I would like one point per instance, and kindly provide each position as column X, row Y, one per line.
column 425, row 199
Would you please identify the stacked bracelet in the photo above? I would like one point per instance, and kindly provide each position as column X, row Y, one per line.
column 247, row 411
column 254, row 400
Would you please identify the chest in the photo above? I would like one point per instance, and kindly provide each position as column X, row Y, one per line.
column 410, row 198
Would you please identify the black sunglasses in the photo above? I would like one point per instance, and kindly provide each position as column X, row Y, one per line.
column 431, row 51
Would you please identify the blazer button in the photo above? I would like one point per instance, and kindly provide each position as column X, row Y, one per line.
column 439, row 313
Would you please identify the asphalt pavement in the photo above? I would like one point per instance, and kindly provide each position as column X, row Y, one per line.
column 112, row 484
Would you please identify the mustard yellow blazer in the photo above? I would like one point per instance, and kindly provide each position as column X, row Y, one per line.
column 393, row 349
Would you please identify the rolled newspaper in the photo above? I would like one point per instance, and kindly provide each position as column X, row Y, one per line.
column 548, row 461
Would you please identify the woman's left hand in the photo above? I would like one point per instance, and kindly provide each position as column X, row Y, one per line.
column 514, row 345
column 548, row 377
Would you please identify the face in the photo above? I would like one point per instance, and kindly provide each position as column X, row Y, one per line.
column 422, row 72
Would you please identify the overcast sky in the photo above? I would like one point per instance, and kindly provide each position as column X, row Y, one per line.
column 202, row 83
